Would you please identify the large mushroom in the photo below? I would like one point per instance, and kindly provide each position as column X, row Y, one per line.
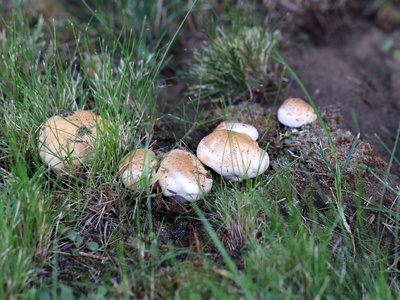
column 295, row 112
column 183, row 177
column 234, row 155
column 136, row 165
column 69, row 139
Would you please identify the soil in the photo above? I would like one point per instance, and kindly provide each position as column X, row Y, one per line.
column 354, row 74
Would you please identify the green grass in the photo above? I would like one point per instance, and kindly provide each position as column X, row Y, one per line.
column 83, row 235
column 235, row 62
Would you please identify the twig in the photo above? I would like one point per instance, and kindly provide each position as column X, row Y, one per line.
column 346, row 224
column 82, row 254
column 105, row 232
column 93, row 256
column 197, row 239
column 392, row 265
column 292, row 145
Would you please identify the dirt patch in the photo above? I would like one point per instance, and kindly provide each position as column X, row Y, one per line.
column 358, row 77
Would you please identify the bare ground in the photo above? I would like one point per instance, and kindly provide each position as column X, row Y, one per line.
column 358, row 77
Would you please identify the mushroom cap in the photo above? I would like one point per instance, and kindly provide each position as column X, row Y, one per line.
column 295, row 112
column 232, row 154
column 68, row 140
column 239, row 127
column 183, row 176
column 136, row 165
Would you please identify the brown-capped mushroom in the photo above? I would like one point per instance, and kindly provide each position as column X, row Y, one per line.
column 183, row 177
column 136, row 165
column 68, row 140
column 295, row 112
column 232, row 154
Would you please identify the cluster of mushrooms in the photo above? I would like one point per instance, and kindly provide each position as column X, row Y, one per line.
column 231, row 150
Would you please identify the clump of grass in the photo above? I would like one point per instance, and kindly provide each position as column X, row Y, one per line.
column 154, row 21
column 234, row 63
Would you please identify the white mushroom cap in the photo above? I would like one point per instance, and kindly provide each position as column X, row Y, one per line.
column 68, row 140
column 295, row 112
column 239, row 127
column 183, row 176
column 136, row 165
column 232, row 154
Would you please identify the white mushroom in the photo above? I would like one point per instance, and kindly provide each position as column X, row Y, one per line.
column 232, row 154
column 295, row 112
column 239, row 127
column 68, row 140
column 183, row 177
column 136, row 165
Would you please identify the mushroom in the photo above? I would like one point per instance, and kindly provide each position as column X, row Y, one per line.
column 68, row 140
column 239, row 127
column 136, row 165
column 233, row 155
column 183, row 177
column 295, row 112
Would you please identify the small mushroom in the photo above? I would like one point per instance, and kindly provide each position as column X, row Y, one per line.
column 232, row 154
column 295, row 112
column 68, row 140
column 136, row 165
column 183, row 177
column 239, row 127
